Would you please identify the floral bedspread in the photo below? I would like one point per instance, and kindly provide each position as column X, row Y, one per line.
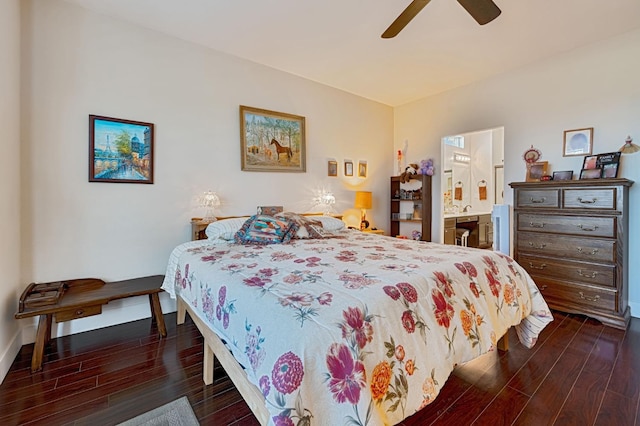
column 357, row 329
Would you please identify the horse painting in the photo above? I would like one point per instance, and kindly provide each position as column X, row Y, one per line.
column 281, row 150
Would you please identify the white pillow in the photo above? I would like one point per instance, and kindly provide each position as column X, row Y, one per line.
column 225, row 229
column 329, row 223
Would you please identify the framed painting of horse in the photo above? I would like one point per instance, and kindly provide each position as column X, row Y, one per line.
column 272, row 141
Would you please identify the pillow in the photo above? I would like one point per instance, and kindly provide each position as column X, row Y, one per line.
column 307, row 227
column 224, row 229
column 260, row 229
column 330, row 223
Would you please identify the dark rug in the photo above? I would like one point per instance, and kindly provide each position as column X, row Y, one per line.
column 175, row 413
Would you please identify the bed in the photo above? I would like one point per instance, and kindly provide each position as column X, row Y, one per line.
column 346, row 327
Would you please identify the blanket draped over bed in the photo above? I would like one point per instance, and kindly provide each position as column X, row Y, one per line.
column 355, row 329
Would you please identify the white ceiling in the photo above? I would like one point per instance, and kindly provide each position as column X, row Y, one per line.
column 337, row 42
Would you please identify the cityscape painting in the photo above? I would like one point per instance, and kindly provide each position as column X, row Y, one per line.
column 120, row 150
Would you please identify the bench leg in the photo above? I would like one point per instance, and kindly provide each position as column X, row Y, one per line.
column 156, row 313
column 43, row 336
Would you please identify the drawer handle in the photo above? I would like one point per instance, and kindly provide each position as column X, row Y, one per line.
column 542, row 266
column 592, row 201
column 589, row 298
column 593, row 252
column 587, row 228
column 536, row 224
column 540, row 246
column 592, row 275
column 538, row 200
column 80, row 312
column 543, row 287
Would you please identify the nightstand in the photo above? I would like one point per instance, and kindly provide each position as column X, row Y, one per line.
column 374, row 231
column 198, row 226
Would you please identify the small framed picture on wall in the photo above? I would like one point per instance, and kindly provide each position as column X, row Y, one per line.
column 332, row 168
column 348, row 168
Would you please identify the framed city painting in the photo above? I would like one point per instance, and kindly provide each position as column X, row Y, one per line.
column 271, row 141
column 120, row 150
column 578, row 142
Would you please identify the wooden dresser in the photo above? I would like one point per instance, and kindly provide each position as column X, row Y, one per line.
column 572, row 237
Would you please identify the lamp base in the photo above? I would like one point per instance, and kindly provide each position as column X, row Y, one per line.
column 364, row 225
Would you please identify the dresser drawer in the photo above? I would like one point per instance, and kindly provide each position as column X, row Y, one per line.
column 588, row 273
column 576, row 225
column 579, row 297
column 589, row 198
column 71, row 314
column 538, row 198
column 563, row 246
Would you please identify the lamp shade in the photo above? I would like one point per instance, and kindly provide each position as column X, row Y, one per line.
column 363, row 200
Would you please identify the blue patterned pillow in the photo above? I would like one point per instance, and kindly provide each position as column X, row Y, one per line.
column 260, row 229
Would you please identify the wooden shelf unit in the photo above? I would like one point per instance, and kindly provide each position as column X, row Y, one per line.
column 422, row 200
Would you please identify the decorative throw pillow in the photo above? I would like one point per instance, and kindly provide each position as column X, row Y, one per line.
column 307, row 227
column 260, row 229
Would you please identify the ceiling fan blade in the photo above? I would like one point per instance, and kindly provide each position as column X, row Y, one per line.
column 405, row 17
column 483, row 11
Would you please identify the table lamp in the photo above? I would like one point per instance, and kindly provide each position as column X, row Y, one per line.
column 209, row 200
column 363, row 202
column 326, row 199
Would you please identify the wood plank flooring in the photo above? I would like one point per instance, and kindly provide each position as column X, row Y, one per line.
column 579, row 373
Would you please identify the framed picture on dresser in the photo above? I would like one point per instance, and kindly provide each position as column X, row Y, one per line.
column 609, row 164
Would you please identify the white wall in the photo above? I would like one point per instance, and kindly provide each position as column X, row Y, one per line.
column 83, row 63
column 9, row 180
column 596, row 86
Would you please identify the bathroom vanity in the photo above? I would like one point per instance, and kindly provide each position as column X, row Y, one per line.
column 478, row 225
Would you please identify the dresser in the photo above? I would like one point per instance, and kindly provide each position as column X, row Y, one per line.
column 572, row 237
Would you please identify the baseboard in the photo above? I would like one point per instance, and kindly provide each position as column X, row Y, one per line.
column 9, row 355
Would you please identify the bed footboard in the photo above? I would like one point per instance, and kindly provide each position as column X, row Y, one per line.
column 213, row 346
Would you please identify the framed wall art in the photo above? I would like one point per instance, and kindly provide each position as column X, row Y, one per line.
column 348, row 168
column 271, row 141
column 578, row 142
column 332, row 168
column 362, row 169
column 535, row 171
column 120, row 151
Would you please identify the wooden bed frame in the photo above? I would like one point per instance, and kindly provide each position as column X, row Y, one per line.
column 213, row 346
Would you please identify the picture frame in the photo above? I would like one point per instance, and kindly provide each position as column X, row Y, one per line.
column 332, row 168
column 120, row 150
column 348, row 168
column 362, row 169
column 609, row 163
column 563, row 175
column 271, row 141
column 577, row 142
column 590, row 173
column 535, row 171
column 590, row 162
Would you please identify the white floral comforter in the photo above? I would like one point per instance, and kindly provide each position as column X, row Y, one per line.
column 357, row 329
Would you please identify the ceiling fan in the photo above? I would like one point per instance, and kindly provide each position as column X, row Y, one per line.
column 483, row 11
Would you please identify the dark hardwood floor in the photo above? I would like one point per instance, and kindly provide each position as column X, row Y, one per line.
column 579, row 373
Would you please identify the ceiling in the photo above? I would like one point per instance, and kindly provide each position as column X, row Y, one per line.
column 338, row 43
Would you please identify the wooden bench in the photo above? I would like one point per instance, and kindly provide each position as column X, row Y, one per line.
column 80, row 298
